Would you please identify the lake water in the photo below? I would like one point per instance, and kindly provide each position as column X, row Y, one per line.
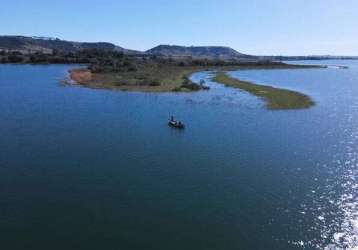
column 98, row 169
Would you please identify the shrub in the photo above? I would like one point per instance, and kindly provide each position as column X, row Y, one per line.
column 177, row 89
column 15, row 59
column 191, row 86
column 154, row 83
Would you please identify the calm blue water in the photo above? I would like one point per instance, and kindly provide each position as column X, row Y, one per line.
column 98, row 169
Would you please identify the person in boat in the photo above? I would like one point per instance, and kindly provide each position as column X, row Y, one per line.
column 174, row 123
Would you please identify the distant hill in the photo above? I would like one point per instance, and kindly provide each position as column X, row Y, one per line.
column 29, row 45
column 199, row 52
column 47, row 45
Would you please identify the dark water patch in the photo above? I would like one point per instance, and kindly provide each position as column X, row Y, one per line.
column 91, row 169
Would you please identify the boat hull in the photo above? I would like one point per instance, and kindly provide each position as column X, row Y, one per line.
column 176, row 125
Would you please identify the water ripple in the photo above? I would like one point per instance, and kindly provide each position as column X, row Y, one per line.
column 334, row 202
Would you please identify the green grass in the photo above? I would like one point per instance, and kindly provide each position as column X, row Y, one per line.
column 149, row 78
column 275, row 98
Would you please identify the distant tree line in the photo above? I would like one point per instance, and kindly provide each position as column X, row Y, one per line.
column 86, row 56
column 105, row 61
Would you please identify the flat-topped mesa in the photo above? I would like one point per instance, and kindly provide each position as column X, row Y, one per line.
column 200, row 52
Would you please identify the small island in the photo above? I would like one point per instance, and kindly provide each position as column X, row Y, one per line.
column 163, row 76
column 171, row 78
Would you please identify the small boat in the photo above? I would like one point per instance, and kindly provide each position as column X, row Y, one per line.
column 176, row 124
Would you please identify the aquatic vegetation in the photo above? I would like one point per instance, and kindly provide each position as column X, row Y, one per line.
column 275, row 98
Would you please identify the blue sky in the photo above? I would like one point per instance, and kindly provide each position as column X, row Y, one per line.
column 262, row 27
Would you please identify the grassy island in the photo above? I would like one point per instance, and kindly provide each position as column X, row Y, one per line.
column 157, row 75
column 275, row 98
column 148, row 79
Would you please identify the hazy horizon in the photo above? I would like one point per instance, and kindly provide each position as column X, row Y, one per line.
column 251, row 27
